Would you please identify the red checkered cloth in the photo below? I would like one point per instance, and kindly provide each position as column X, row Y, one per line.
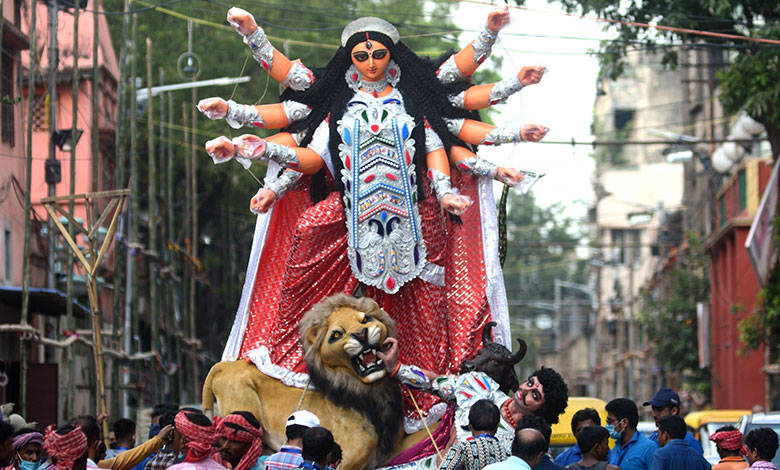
column 729, row 440
column 246, row 433
column 200, row 439
column 65, row 448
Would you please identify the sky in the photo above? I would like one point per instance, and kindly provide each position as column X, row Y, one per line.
column 562, row 101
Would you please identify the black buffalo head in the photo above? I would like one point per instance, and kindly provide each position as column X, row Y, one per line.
column 496, row 361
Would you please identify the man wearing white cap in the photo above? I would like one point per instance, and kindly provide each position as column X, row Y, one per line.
column 289, row 456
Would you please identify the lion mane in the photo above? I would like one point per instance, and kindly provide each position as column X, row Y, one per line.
column 381, row 402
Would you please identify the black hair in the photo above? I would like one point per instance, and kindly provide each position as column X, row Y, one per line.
column 89, row 426
column 556, row 394
column 726, row 428
column 585, row 414
column 61, row 431
column 590, row 436
column 527, row 447
column 624, row 408
column 169, row 417
column 484, row 416
column 248, row 416
column 673, row 425
column 317, row 444
column 764, row 440
column 6, row 431
column 198, row 418
column 295, row 431
column 538, row 423
column 190, row 409
column 336, row 453
column 425, row 98
column 124, row 429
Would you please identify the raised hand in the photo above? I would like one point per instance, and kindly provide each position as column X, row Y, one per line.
column 249, row 146
column 213, row 108
column 220, row 149
column 508, row 176
column 531, row 74
column 533, row 132
column 262, row 201
column 498, row 18
column 242, row 21
column 456, row 204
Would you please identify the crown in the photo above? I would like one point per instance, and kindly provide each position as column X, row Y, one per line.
column 370, row 23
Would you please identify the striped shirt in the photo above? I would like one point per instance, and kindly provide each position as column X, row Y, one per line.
column 474, row 454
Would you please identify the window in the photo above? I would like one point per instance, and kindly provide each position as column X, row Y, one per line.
column 722, row 211
column 626, row 246
column 7, row 106
column 742, row 190
column 8, row 255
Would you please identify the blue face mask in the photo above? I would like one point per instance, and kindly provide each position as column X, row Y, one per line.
column 27, row 465
column 612, row 432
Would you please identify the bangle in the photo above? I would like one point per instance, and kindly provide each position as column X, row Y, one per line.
column 395, row 371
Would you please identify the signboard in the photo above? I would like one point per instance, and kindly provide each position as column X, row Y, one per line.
column 762, row 251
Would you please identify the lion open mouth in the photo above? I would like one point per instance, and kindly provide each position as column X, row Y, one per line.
column 367, row 362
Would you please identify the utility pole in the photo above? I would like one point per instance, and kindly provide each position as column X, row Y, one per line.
column 121, row 146
column 52, row 165
column 152, row 214
column 71, row 209
column 194, row 206
column 25, row 314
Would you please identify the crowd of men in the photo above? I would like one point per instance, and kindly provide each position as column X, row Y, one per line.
column 186, row 439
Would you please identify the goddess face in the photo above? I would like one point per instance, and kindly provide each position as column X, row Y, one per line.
column 372, row 61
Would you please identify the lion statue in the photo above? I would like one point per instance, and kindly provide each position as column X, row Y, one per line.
column 354, row 396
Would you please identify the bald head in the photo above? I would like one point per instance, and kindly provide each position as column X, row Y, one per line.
column 529, row 444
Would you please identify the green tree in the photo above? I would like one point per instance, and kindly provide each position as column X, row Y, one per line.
column 749, row 83
column 669, row 317
column 542, row 244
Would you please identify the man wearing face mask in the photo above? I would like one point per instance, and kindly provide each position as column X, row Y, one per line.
column 632, row 451
column 28, row 444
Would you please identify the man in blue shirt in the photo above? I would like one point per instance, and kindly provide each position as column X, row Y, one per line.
column 581, row 419
column 675, row 452
column 632, row 451
column 538, row 423
column 666, row 402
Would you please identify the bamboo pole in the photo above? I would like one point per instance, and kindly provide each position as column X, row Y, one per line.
column 188, row 267
column 135, row 223
column 152, row 214
column 96, row 178
column 25, row 314
column 194, row 207
column 69, row 411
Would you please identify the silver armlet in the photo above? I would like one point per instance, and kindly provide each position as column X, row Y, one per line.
column 477, row 166
column 295, row 111
column 483, row 45
column 449, row 72
column 243, row 115
column 454, row 125
column 502, row 135
column 442, row 185
column 281, row 154
column 459, row 100
column 262, row 50
column 504, row 89
column 286, row 181
column 413, row 377
column 299, row 77
column 432, row 140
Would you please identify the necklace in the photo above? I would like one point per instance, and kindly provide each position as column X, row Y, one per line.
column 374, row 88
column 509, row 414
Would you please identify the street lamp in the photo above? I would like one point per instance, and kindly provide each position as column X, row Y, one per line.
column 62, row 138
